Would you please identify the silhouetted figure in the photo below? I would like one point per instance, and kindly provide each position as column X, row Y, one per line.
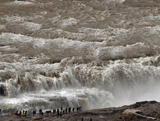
column 17, row 112
column 20, row 113
column 66, row 110
column 25, row 113
column 57, row 112
column 0, row 112
column 82, row 119
column 61, row 113
column 34, row 112
column 90, row 119
column 73, row 109
column 48, row 112
column 54, row 111
column 40, row 111
column 80, row 108
column 63, row 110
column 69, row 110
column 77, row 109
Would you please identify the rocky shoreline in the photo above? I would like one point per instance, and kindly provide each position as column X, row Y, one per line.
column 140, row 111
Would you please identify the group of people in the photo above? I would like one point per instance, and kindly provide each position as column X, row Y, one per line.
column 62, row 111
column 24, row 113
column 59, row 111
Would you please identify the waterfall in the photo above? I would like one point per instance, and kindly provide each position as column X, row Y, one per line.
column 94, row 54
column 89, row 85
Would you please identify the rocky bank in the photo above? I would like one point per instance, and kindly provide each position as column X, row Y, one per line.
column 140, row 111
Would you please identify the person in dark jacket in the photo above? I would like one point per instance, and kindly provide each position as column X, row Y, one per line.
column 54, row 111
column 25, row 113
column 61, row 113
column 77, row 109
column 69, row 110
column 57, row 112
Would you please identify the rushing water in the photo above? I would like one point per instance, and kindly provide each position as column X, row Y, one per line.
column 94, row 54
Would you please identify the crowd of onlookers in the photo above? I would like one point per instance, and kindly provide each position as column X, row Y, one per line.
column 59, row 112
column 24, row 113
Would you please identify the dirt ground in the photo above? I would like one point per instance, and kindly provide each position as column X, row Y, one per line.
column 140, row 111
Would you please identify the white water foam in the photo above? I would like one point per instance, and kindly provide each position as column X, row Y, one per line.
column 16, row 2
column 31, row 26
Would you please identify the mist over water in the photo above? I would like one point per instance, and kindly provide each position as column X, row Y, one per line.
column 94, row 54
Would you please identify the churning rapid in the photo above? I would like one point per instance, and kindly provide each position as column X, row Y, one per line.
column 89, row 53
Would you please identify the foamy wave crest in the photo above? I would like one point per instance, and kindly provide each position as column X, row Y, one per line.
column 17, row 2
column 117, row 1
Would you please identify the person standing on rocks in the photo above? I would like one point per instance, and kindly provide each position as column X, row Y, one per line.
column 57, row 112
column 54, row 111
column 73, row 109
column 16, row 112
column 41, row 112
column 63, row 110
column 77, row 109
column 33, row 113
column 0, row 112
column 20, row 113
column 80, row 108
column 61, row 113
column 25, row 113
